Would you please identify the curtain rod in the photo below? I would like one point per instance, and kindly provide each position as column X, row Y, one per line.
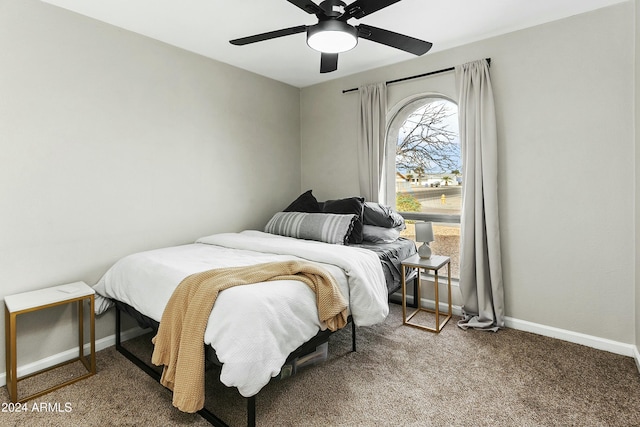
column 431, row 73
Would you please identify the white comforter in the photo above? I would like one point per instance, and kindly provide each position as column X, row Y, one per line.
column 252, row 328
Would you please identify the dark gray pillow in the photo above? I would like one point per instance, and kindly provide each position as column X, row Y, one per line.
column 382, row 216
column 306, row 202
column 350, row 205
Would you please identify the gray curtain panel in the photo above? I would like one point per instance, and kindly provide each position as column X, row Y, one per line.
column 372, row 122
column 480, row 259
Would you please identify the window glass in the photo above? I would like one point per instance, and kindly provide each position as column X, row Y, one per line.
column 428, row 171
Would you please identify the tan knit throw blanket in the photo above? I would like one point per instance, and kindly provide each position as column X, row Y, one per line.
column 179, row 342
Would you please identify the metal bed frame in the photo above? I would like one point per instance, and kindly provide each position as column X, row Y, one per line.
column 205, row 413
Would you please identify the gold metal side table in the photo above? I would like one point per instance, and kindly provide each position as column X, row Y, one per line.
column 27, row 302
column 435, row 263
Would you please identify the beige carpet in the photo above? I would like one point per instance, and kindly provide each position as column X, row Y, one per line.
column 399, row 376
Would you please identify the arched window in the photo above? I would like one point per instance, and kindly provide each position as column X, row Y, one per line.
column 424, row 158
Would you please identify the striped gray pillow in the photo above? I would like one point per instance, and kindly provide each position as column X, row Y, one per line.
column 329, row 228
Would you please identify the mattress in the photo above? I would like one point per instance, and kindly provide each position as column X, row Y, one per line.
column 276, row 317
column 146, row 322
column 391, row 256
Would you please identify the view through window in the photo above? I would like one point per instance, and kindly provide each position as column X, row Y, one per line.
column 428, row 172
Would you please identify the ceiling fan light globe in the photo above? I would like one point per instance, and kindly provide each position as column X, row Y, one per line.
column 332, row 37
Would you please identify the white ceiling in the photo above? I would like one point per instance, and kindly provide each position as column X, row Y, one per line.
column 206, row 26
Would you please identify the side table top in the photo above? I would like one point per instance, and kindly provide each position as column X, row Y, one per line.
column 52, row 295
column 434, row 263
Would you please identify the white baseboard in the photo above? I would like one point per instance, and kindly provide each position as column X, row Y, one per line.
column 47, row 362
column 574, row 337
column 549, row 331
column 430, row 304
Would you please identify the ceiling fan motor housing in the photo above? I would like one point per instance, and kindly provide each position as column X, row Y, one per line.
column 332, row 36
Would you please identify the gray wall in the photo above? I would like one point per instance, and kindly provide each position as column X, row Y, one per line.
column 114, row 143
column 564, row 99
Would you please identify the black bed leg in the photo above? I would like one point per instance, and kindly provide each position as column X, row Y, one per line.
column 251, row 411
column 353, row 336
column 204, row 412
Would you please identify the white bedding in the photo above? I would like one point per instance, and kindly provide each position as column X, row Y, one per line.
column 252, row 328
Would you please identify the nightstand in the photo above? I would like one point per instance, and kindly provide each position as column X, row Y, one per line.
column 434, row 264
column 27, row 302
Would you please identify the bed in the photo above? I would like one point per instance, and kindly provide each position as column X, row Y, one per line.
column 391, row 255
column 278, row 318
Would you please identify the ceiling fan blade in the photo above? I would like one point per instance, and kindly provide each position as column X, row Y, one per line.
column 270, row 35
column 308, row 6
column 389, row 38
column 328, row 62
column 361, row 8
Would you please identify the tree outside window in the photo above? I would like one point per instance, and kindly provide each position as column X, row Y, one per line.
column 426, row 137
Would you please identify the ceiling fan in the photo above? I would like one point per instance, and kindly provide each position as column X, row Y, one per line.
column 333, row 34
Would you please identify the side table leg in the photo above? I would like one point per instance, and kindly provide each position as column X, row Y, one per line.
column 417, row 298
column 81, row 332
column 92, row 326
column 404, row 295
column 437, row 302
column 11, row 354
column 449, row 287
column 7, row 346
